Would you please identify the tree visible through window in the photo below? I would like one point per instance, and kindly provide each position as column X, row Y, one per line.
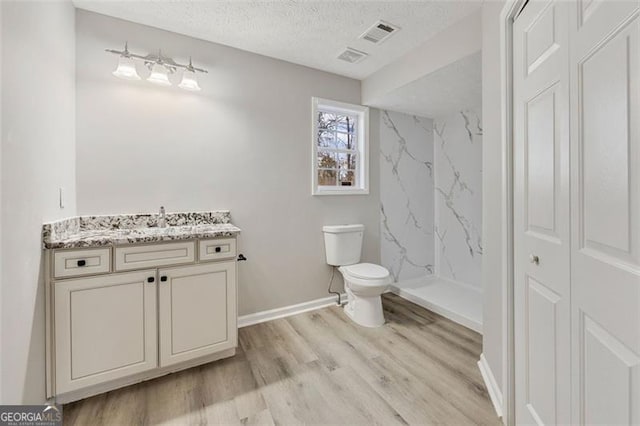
column 337, row 147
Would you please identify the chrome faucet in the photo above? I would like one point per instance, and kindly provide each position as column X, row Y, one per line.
column 162, row 219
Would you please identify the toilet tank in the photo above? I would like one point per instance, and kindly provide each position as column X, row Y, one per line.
column 343, row 244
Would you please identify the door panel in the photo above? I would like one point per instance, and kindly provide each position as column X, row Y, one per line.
column 191, row 305
column 605, row 160
column 606, row 149
column 541, row 185
column 586, row 8
column 542, row 344
column 540, row 39
column 197, row 311
column 541, row 214
column 610, row 376
column 105, row 329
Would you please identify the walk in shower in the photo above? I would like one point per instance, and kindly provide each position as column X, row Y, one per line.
column 431, row 210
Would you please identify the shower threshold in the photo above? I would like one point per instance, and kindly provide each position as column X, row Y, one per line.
column 458, row 302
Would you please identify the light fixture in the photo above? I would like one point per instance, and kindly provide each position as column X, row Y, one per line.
column 126, row 67
column 189, row 79
column 160, row 67
column 159, row 75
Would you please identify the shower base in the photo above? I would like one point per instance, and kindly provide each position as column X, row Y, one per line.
column 458, row 302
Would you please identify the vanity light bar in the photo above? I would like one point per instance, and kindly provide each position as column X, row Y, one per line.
column 159, row 65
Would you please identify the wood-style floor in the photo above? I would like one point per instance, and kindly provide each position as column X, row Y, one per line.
column 318, row 368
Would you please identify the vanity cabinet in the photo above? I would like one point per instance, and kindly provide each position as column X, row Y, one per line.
column 177, row 309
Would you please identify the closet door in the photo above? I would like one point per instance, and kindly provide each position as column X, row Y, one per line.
column 605, row 162
column 541, row 214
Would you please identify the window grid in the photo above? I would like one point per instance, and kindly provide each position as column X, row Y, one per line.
column 350, row 135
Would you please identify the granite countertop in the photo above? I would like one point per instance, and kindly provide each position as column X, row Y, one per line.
column 99, row 231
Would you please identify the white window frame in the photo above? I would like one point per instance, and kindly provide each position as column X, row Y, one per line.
column 362, row 155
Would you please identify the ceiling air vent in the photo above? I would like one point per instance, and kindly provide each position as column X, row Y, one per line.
column 379, row 32
column 352, row 55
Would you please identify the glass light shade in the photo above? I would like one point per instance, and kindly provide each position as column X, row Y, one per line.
column 159, row 76
column 126, row 69
column 189, row 81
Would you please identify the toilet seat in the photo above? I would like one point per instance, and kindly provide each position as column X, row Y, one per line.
column 366, row 271
column 366, row 279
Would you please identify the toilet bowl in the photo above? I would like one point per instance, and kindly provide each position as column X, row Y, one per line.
column 364, row 284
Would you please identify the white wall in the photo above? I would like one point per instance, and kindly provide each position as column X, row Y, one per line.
column 38, row 152
column 450, row 45
column 458, row 196
column 406, row 195
column 493, row 216
column 243, row 143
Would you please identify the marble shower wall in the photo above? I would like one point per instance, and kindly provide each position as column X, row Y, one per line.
column 406, row 195
column 458, row 191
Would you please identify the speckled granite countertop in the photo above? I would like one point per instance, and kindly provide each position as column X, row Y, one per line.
column 99, row 231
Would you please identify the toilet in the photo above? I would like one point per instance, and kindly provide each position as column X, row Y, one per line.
column 364, row 282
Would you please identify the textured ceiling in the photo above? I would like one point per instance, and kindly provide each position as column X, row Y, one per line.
column 451, row 88
column 311, row 33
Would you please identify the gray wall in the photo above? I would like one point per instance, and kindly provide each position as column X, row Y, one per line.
column 243, row 143
column 38, row 144
column 493, row 217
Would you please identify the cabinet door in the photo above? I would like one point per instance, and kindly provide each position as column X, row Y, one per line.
column 197, row 311
column 105, row 328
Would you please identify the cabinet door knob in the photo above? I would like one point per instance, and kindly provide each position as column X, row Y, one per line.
column 218, row 249
column 534, row 259
column 151, row 279
column 82, row 262
column 163, row 278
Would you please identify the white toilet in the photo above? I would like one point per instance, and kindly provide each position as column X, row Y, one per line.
column 364, row 282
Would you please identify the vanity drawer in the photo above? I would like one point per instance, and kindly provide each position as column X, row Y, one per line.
column 217, row 249
column 153, row 255
column 74, row 263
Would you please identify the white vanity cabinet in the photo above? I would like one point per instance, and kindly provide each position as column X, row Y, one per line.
column 106, row 330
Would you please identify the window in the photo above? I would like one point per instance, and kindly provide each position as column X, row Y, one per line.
column 340, row 148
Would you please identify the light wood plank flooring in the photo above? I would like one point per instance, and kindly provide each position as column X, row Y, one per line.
column 318, row 368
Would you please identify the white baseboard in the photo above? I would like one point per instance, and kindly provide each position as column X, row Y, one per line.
column 492, row 386
column 287, row 311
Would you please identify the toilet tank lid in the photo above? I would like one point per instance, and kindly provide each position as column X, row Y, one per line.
column 339, row 229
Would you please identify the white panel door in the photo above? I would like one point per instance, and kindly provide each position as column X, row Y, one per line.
column 605, row 197
column 197, row 311
column 106, row 328
column 541, row 214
